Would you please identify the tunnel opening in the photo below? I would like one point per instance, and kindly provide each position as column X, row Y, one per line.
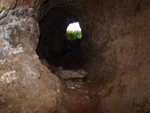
column 67, row 59
column 59, row 46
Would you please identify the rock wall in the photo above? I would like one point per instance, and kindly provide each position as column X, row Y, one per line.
column 119, row 41
column 25, row 84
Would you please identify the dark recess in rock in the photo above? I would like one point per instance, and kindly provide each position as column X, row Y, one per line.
column 53, row 45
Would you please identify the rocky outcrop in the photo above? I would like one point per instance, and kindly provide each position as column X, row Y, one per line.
column 25, row 84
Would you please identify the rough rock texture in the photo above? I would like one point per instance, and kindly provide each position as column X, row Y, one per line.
column 115, row 50
column 26, row 86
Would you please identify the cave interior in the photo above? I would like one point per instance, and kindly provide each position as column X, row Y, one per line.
column 53, row 45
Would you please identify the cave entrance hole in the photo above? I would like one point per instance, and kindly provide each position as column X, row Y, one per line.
column 55, row 48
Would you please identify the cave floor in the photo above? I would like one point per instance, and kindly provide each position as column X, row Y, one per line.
column 83, row 97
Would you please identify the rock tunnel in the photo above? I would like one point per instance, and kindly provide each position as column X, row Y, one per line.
column 107, row 71
column 53, row 45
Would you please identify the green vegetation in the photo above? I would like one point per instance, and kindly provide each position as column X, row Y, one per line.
column 73, row 35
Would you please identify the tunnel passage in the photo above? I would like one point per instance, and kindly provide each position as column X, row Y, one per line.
column 55, row 50
column 54, row 47
column 119, row 36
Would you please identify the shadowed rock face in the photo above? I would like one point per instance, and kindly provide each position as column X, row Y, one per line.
column 115, row 50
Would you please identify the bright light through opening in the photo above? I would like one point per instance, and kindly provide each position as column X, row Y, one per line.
column 74, row 27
